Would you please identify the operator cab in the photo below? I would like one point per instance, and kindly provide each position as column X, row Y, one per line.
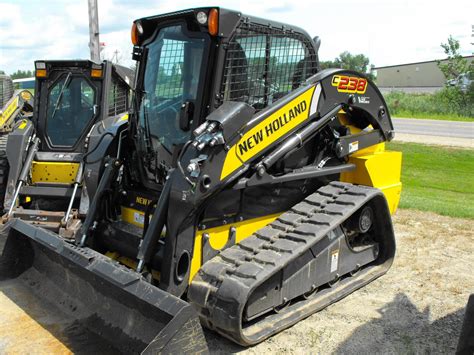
column 72, row 96
column 189, row 65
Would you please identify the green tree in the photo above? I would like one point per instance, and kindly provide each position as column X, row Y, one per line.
column 346, row 60
column 461, row 100
column 327, row 64
column 20, row 74
column 357, row 62
column 455, row 64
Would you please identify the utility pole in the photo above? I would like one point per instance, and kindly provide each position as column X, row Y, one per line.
column 94, row 44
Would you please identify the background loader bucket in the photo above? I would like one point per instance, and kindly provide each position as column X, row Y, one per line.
column 107, row 298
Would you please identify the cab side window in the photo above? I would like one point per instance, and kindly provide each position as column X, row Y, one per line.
column 263, row 65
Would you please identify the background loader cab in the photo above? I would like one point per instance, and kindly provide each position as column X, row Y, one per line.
column 45, row 155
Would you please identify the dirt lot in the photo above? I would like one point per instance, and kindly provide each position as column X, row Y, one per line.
column 416, row 308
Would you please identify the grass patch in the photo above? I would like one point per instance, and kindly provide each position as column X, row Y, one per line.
column 446, row 104
column 437, row 179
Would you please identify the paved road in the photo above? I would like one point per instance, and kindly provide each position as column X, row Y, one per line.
column 434, row 127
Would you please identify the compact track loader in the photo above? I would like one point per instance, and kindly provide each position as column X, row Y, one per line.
column 248, row 190
column 43, row 158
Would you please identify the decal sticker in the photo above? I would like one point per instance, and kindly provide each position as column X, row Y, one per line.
column 363, row 99
column 353, row 146
column 138, row 218
column 268, row 131
column 349, row 84
column 334, row 260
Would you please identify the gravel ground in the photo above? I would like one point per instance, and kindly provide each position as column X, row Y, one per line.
column 417, row 307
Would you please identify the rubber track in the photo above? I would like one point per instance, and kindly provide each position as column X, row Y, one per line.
column 4, row 169
column 223, row 285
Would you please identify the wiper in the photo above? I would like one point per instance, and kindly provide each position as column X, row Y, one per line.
column 58, row 101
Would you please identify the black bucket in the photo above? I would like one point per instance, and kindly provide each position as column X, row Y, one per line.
column 109, row 299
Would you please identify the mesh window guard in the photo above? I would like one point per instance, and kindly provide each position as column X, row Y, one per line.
column 263, row 64
column 169, row 81
column 6, row 90
column 118, row 96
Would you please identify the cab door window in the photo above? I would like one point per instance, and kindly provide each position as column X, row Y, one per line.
column 71, row 108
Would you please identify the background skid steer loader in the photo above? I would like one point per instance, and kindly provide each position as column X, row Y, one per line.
column 43, row 158
column 14, row 105
column 248, row 183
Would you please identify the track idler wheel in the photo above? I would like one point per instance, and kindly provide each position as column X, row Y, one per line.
column 366, row 217
column 362, row 221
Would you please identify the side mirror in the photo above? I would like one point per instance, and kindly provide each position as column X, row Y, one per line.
column 185, row 116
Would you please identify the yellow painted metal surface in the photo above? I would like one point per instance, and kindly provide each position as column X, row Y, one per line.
column 218, row 237
column 22, row 124
column 11, row 108
column 275, row 126
column 378, row 168
column 53, row 172
column 123, row 118
column 133, row 216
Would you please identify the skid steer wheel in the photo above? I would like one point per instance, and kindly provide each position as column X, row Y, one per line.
column 4, row 169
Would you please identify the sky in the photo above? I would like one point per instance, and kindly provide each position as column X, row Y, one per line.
column 389, row 32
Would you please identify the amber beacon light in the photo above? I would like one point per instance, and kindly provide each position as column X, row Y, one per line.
column 213, row 22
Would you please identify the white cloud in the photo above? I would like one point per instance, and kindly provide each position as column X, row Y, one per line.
column 389, row 31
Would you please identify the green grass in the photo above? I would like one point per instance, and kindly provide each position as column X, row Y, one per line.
column 437, row 179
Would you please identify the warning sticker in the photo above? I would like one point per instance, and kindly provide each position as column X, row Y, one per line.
column 334, row 260
column 139, row 218
column 353, row 146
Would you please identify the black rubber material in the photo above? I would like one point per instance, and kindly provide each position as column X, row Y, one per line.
column 224, row 284
column 4, row 169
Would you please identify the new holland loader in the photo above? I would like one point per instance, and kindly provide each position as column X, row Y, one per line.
column 248, row 190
